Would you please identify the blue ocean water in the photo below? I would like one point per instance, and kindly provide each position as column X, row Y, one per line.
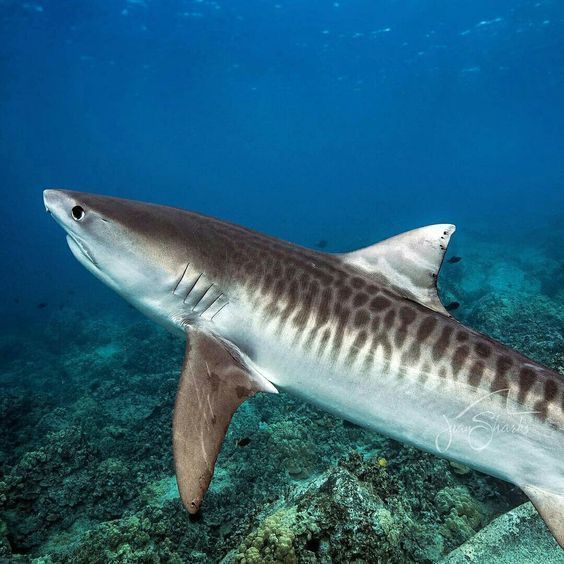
column 332, row 124
column 346, row 121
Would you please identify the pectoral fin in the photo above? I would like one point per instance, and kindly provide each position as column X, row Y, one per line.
column 551, row 508
column 215, row 381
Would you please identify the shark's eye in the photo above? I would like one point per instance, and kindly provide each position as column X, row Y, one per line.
column 77, row 213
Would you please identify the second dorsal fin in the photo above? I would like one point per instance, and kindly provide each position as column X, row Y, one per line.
column 409, row 263
column 215, row 381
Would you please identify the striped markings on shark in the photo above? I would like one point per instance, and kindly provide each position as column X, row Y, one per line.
column 353, row 333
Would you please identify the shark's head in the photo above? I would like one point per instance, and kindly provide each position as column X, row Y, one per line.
column 137, row 249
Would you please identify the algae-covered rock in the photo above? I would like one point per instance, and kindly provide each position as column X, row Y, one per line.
column 351, row 521
column 519, row 536
column 356, row 512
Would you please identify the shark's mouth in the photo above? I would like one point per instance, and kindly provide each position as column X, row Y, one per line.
column 79, row 249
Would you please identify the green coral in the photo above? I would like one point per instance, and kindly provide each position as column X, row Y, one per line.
column 272, row 542
column 462, row 514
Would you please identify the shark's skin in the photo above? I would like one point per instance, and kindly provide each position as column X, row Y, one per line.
column 361, row 335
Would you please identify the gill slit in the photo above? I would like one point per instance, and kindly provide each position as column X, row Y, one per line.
column 202, row 297
column 212, row 317
column 221, row 294
column 193, row 286
column 181, row 278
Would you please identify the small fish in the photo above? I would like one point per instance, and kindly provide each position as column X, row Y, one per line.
column 243, row 442
column 321, row 244
column 452, row 306
column 42, row 305
column 454, row 260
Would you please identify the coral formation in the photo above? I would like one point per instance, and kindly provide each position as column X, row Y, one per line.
column 461, row 513
column 272, row 542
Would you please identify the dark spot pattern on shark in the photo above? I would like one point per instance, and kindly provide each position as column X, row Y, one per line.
column 379, row 303
column 462, row 335
column 343, row 314
column 357, row 346
column 389, row 319
column 459, row 359
column 482, row 349
column 344, row 292
column 407, row 316
column 357, row 282
column 411, row 355
column 550, row 390
column 527, row 378
column 325, row 336
column 426, row 327
column 476, row 373
column 440, row 346
column 381, row 340
column 360, row 299
column 503, row 364
column 361, row 318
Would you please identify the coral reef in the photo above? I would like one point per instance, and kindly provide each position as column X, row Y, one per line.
column 361, row 510
column 86, row 464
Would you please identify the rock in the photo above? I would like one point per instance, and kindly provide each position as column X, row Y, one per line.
column 458, row 468
column 516, row 537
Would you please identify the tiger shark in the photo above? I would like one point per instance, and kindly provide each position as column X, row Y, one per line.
column 362, row 335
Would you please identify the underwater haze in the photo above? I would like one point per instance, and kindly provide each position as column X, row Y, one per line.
column 332, row 124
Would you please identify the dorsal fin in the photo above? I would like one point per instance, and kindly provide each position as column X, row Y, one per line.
column 215, row 381
column 551, row 508
column 409, row 263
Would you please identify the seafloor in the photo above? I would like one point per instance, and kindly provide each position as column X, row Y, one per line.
column 86, row 462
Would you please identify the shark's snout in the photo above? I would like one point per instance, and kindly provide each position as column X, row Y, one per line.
column 50, row 196
column 64, row 208
column 54, row 205
column 56, row 201
column 67, row 212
